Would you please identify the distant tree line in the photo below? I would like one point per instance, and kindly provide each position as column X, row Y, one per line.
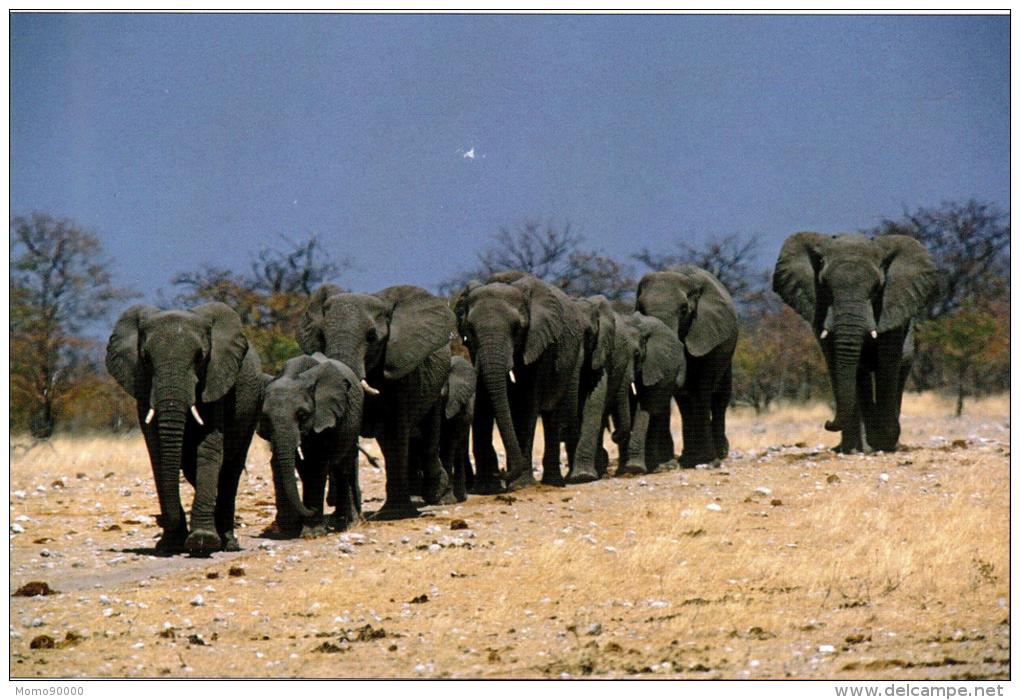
column 60, row 283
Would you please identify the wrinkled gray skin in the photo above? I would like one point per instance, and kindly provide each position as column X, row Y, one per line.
column 595, row 360
column 861, row 294
column 692, row 302
column 644, row 367
column 177, row 363
column 315, row 405
column 520, row 324
column 398, row 341
column 458, row 414
column 657, row 370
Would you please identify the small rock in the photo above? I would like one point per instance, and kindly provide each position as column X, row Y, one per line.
column 458, row 524
column 832, row 479
column 35, row 588
column 883, row 477
column 43, row 641
column 419, row 599
column 198, row 600
column 235, row 571
column 826, row 649
column 763, row 491
column 16, row 528
column 775, row 502
column 594, row 629
column 714, row 507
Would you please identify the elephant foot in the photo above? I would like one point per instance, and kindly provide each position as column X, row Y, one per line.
column 688, row 461
column 582, row 476
column 230, row 542
column 631, row 469
column 487, row 486
column 448, row 499
column 202, row 543
column 395, row 510
column 171, row 542
column 602, row 462
column 311, row 531
column 553, row 479
column 437, row 489
column 669, row 466
column 336, row 522
column 521, row 481
column 459, row 494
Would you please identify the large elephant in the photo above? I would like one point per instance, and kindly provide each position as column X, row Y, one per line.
column 693, row 303
column 311, row 418
column 397, row 341
column 199, row 387
column 859, row 294
column 525, row 337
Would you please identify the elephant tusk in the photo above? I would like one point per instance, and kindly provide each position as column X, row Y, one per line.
column 194, row 412
column 300, row 454
column 874, row 333
column 150, row 415
column 513, row 379
column 825, row 333
column 369, row 389
column 633, row 388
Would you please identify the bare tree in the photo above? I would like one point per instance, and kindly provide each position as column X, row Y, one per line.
column 728, row 257
column 553, row 254
column 59, row 283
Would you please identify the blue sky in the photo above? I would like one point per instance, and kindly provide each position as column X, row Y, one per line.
column 184, row 140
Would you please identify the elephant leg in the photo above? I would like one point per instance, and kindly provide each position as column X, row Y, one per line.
column 659, row 444
column 395, row 442
column 636, row 450
column 694, row 412
column 486, row 479
column 226, row 499
column 204, row 538
column 435, row 484
column 525, row 417
column 552, row 474
column 584, row 469
column 883, row 428
column 621, row 416
column 720, row 402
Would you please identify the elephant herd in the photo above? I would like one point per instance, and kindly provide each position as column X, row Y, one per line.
column 382, row 366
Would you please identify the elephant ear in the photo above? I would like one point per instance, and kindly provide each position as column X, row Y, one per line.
column 296, row 366
column 796, row 274
column 662, row 353
column 337, row 392
column 228, row 346
column 460, row 386
column 460, row 308
column 606, row 337
column 420, row 324
column 910, row 279
column 122, row 360
column 715, row 317
column 547, row 309
column 309, row 333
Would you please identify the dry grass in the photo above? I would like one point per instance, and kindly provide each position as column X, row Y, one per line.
column 898, row 562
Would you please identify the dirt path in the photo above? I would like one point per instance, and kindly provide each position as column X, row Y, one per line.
column 788, row 561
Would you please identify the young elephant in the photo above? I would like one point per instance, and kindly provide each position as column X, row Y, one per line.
column 311, row 417
column 198, row 386
column 456, row 427
column 658, row 370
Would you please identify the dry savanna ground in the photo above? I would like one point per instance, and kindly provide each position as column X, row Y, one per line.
column 788, row 561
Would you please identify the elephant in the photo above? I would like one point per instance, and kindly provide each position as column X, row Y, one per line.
column 454, row 434
column 693, row 303
column 587, row 462
column 311, row 417
column 198, row 386
column 525, row 339
column 656, row 370
column 860, row 295
column 397, row 341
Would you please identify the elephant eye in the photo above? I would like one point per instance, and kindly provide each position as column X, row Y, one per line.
column 371, row 336
column 302, row 414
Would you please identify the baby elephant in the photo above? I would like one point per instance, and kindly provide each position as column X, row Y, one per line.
column 458, row 414
column 311, row 417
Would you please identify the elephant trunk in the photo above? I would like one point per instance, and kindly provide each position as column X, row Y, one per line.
column 289, row 506
column 494, row 372
column 172, row 418
column 849, row 331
